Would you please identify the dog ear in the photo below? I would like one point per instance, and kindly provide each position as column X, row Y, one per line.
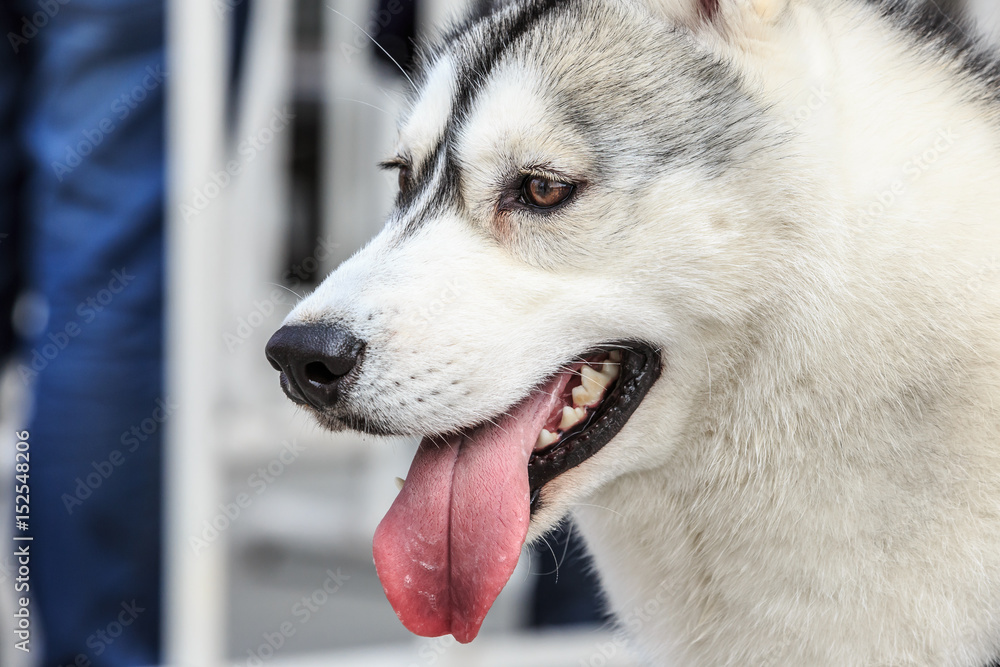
column 728, row 17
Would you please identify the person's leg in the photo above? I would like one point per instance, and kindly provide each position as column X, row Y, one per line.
column 94, row 132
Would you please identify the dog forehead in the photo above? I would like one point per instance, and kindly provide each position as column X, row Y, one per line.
column 539, row 104
column 456, row 71
column 425, row 125
column 515, row 118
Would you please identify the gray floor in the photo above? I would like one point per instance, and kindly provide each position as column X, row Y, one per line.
column 284, row 548
column 268, row 588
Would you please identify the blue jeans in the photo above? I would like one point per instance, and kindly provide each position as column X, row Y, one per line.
column 81, row 225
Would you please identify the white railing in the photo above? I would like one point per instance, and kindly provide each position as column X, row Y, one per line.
column 194, row 623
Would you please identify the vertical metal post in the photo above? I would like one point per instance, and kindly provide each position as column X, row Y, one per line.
column 194, row 578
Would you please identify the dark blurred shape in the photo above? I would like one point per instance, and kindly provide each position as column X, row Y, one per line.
column 567, row 592
column 237, row 46
column 11, row 183
column 303, row 270
column 393, row 24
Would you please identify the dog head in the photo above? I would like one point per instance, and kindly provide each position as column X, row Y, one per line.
column 581, row 200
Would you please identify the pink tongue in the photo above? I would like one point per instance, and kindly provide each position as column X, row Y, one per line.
column 450, row 542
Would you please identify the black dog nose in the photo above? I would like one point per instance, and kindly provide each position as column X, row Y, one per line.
column 313, row 358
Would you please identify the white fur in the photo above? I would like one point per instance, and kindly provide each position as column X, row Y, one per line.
column 427, row 119
column 815, row 480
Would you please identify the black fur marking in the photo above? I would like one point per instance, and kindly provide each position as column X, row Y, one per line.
column 451, row 181
column 446, row 194
column 506, row 31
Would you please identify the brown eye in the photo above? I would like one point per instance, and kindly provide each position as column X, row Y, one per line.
column 545, row 193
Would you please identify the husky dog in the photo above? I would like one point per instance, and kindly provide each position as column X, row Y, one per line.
column 718, row 277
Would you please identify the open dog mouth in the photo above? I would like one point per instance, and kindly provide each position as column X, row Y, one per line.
column 599, row 394
column 452, row 538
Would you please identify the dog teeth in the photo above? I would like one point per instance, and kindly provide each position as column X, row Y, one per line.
column 400, row 482
column 571, row 417
column 582, row 397
column 593, row 384
column 595, row 381
column 545, row 438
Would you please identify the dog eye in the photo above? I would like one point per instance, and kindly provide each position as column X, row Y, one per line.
column 545, row 193
column 402, row 168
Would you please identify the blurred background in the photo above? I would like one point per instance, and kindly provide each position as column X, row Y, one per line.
column 174, row 177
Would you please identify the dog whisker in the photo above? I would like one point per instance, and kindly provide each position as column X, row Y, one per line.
column 389, row 95
column 600, row 507
column 288, row 289
column 375, row 42
column 554, row 558
column 367, row 104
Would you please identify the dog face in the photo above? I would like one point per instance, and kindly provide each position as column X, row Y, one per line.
column 569, row 226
